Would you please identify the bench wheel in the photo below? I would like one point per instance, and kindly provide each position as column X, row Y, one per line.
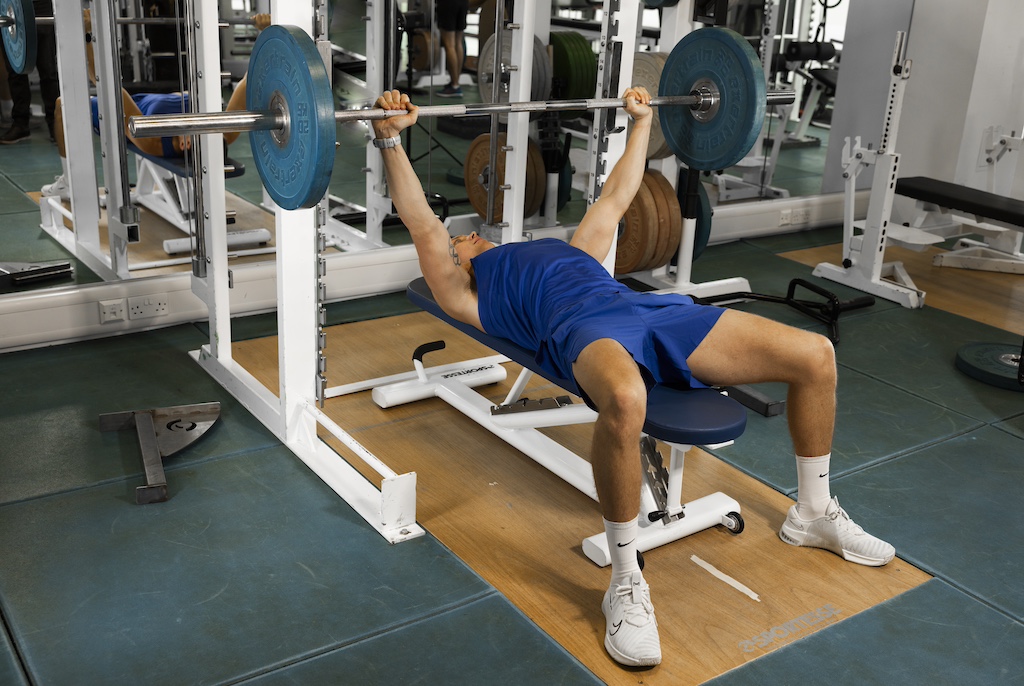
column 733, row 522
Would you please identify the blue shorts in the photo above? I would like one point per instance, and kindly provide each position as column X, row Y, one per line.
column 659, row 331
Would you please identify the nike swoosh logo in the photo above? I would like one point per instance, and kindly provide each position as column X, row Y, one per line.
column 615, row 628
column 822, row 476
column 623, row 545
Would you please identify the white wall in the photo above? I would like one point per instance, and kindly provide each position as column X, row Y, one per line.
column 862, row 92
column 997, row 92
column 944, row 41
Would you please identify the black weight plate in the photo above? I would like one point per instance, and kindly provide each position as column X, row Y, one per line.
column 995, row 364
column 704, row 212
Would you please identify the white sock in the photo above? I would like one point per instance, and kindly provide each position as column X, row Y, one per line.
column 64, row 168
column 813, row 493
column 622, row 546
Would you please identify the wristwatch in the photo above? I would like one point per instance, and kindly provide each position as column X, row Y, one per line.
column 394, row 142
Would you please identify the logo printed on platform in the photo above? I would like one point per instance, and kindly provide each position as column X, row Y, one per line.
column 791, row 630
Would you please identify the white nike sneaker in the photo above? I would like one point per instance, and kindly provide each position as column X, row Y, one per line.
column 838, row 533
column 59, row 188
column 632, row 634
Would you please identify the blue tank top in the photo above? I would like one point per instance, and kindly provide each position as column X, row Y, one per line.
column 555, row 299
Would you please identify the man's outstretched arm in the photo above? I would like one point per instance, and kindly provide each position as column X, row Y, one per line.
column 449, row 284
column 599, row 225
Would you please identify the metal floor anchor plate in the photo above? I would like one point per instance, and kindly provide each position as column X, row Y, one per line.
column 162, row 432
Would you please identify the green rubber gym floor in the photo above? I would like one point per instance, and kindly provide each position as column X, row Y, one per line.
column 255, row 572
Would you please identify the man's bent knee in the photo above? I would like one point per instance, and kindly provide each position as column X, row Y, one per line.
column 624, row 406
column 819, row 358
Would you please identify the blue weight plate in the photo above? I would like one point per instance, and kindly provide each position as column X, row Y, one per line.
column 20, row 37
column 723, row 58
column 295, row 165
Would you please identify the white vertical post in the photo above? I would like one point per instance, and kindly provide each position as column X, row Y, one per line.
column 74, row 96
column 619, row 28
column 296, row 287
column 518, row 132
column 108, row 92
column 213, row 288
column 378, row 202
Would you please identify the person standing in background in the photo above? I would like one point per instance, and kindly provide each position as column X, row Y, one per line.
column 49, row 86
column 451, row 20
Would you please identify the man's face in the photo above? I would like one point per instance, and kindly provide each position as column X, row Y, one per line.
column 465, row 248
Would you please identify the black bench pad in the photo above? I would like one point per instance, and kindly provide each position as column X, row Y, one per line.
column 176, row 165
column 692, row 417
column 956, row 197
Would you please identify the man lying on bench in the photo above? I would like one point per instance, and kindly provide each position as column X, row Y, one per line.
column 138, row 105
column 615, row 344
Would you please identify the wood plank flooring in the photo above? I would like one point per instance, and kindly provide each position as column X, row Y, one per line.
column 521, row 528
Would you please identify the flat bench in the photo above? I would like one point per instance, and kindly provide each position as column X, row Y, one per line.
column 699, row 416
column 956, row 197
column 680, row 418
column 999, row 220
column 179, row 167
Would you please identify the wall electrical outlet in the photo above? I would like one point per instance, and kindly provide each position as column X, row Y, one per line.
column 144, row 306
column 800, row 215
column 785, row 217
column 112, row 310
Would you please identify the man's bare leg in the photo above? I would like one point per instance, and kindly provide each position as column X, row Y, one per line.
column 744, row 348
column 612, row 380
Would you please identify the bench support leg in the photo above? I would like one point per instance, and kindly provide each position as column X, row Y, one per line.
column 663, row 517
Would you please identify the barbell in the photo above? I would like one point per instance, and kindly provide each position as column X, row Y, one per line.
column 18, row 27
column 712, row 106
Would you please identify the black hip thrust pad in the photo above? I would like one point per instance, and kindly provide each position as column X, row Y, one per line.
column 700, row 416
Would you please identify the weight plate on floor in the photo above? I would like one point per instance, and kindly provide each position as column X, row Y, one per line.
column 425, row 52
column 675, row 221
column 704, row 213
column 996, row 364
column 20, row 36
column 477, row 177
column 587, row 82
column 574, row 65
column 660, row 224
column 665, row 150
column 647, row 68
column 715, row 59
column 636, row 239
column 286, row 72
column 560, row 72
column 540, row 76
